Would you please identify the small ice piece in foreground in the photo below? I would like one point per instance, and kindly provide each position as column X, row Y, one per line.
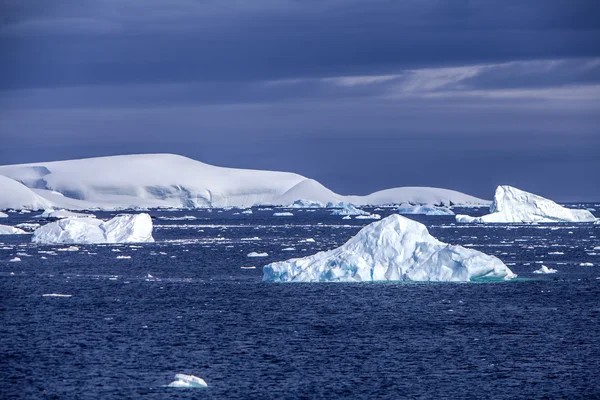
column 393, row 249
column 545, row 270
column 283, row 214
column 56, row 295
column 512, row 205
column 255, row 254
column 15, row 259
column 586, row 264
column 187, row 381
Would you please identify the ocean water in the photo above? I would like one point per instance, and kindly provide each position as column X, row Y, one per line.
column 185, row 305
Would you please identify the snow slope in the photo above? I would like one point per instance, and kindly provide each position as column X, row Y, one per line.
column 167, row 180
column 126, row 228
column 18, row 196
column 393, row 249
column 512, row 205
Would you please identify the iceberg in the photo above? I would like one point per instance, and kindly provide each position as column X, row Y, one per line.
column 3, row 215
column 11, row 230
column 406, row 208
column 393, row 249
column 125, row 228
column 187, row 381
column 60, row 214
column 173, row 181
column 512, row 205
column 283, row 214
column 348, row 209
column 303, row 203
column 255, row 254
column 545, row 270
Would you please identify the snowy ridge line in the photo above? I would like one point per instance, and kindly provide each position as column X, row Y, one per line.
column 171, row 181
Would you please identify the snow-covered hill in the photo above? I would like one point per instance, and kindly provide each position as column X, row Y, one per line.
column 167, row 180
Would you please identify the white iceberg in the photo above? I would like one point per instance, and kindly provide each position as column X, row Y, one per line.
column 368, row 216
column 255, row 254
column 545, row 270
column 283, row 214
column 512, row 205
column 3, row 215
column 11, row 230
column 303, row 203
column 407, row 208
column 348, row 209
column 393, row 249
column 187, row 381
column 126, row 228
column 168, row 180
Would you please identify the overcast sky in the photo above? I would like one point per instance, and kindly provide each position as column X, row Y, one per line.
column 360, row 95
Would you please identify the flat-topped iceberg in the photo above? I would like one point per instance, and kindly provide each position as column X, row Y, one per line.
column 407, row 208
column 393, row 249
column 512, row 205
column 10, row 230
column 126, row 228
column 187, row 381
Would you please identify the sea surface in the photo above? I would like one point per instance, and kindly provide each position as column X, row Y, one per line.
column 185, row 305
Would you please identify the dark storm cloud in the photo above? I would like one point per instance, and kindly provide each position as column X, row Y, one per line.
column 66, row 43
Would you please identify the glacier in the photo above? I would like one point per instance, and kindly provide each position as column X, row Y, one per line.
column 512, row 205
column 392, row 249
column 427, row 209
column 125, row 228
column 172, row 181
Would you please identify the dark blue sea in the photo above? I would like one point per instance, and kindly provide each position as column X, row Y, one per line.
column 185, row 305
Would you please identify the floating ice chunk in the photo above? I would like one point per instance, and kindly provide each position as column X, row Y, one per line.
column 368, row 216
column 248, row 267
column 347, row 217
column 288, row 249
column 11, row 230
column 395, row 248
column 283, row 214
column 512, row 205
column 187, row 381
column 255, row 254
column 56, row 295
column 125, row 228
column 123, row 257
column 407, row 208
column 303, row 203
column 251, row 239
column 70, row 248
column 586, row 264
column 27, row 226
column 556, row 253
column 349, row 209
column 15, row 259
column 2, row 215
column 60, row 214
column 545, row 270
column 247, row 212
column 308, row 240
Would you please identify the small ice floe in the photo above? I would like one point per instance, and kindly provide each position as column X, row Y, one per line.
column 369, row 216
column 556, row 253
column 347, row 217
column 248, row 267
column 283, row 214
column 70, row 248
column 309, row 240
column 116, row 250
column 56, row 295
column 288, row 249
column 187, row 381
column 15, row 259
column 251, row 239
column 123, row 257
column 149, row 276
column 545, row 270
column 255, row 254
column 586, row 264
column 247, row 212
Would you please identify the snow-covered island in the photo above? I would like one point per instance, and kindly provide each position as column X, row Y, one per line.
column 168, row 180
column 512, row 205
column 126, row 228
column 393, row 249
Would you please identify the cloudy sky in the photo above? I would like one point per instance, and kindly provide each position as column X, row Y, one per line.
column 360, row 95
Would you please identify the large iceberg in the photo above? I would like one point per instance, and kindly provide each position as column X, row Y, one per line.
column 407, row 208
column 126, row 228
column 393, row 249
column 512, row 205
column 168, row 180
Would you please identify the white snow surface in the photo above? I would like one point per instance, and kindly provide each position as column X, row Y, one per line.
column 512, row 205
column 11, row 230
column 168, row 180
column 393, row 249
column 427, row 209
column 187, row 381
column 126, row 228
column 18, row 196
